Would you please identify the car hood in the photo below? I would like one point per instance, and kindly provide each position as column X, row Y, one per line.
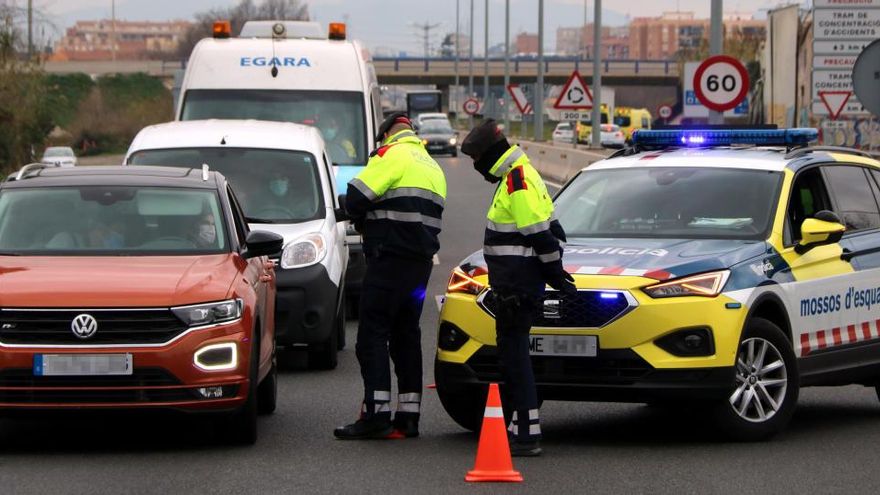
column 117, row 281
column 660, row 259
column 290, row 231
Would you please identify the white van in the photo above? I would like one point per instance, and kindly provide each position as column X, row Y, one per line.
column 289, row 71
column 282, row 177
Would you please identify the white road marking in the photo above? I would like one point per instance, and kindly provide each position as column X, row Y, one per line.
column 436, row 259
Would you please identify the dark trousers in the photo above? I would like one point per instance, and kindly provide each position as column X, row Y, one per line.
column 390, row 308
column 513, row 321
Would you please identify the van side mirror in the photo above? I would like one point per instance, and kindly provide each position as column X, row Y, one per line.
column 261, row 243
column 823, row 229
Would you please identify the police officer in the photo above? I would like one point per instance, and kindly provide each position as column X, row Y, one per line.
column 523, row 251
column 397, row 202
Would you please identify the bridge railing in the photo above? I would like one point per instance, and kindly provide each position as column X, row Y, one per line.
column 553, row 66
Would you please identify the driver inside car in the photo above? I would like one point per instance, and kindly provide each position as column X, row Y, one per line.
column 283, row 196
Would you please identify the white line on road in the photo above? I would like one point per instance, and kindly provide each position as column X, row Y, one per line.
column 436, row 259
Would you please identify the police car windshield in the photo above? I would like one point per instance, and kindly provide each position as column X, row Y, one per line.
column 670, row 202
column 273, row 186
column 111, row 221
column 339, row 115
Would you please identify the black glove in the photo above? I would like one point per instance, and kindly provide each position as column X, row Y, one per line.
column 562, row 281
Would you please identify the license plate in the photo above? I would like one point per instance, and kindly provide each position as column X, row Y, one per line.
column 82, row 364
column 563, row 345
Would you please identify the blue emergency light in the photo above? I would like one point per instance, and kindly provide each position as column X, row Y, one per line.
column 703, row 138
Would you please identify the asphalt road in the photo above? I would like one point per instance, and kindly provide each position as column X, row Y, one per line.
column 831, row 445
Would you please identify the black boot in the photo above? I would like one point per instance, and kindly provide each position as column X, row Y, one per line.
column 519, row 448
column 365, row 429
column 406, row 425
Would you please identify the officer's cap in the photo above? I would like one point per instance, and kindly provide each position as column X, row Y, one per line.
column 388, row 123
column 481, row 138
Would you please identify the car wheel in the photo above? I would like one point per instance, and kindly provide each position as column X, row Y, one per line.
column 267, row 392
column 340, row 325
column 765, row 393
column 324, row 356
column 454, row 153
column 242, row 424
column 465, row 407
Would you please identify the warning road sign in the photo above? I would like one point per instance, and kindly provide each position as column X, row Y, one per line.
column 520, row 99
column 835, row 101
column 575, row 95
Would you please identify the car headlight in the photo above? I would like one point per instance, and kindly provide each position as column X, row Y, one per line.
column 452, row 141
column 210, row 313
column 464, row 282
column 705, row 284
column 305, row 251
column 424, row 142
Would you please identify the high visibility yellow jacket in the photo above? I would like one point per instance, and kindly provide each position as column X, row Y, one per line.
column 523, row 241
column 399, row 197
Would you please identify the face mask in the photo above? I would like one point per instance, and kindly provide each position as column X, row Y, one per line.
column 207, row 233
column 278, row 187
column 330, row 134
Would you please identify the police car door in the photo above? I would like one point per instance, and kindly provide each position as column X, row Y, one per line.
column 818, row 277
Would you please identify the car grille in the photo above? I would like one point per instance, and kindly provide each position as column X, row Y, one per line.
column 53, row 327
column 141, row 377
column 611, row 366
column 586, row 309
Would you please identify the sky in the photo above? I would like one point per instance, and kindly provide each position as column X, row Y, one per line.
column 369, row 20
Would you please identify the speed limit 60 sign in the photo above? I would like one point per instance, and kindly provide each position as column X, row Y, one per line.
column 721, row 83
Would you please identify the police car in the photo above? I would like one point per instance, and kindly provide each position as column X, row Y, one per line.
column 731, row 267
column 281, row 174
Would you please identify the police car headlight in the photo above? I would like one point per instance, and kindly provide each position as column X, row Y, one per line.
column 464, row 282
column 452, row 141
column 705, row 284
column 209, row 314
column 305, row 251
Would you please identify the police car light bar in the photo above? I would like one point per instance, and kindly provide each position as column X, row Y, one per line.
column 703, row 138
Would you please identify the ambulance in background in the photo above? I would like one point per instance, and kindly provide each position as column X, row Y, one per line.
column 292, row 71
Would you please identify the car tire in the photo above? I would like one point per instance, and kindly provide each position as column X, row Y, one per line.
column 764, row 396
column 267, row 392
column 241, row 426
column 454, row 153
column 324, row 356
column 340, row 324
column 465, row 407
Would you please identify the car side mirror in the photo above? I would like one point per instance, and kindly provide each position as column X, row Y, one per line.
column 823, row 229
column 261, row 243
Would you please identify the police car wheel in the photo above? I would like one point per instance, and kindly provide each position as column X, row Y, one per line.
column 766, row 387
column 324, row 356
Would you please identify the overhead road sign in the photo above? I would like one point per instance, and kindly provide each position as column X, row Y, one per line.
column 575, row 95
column 721, row 83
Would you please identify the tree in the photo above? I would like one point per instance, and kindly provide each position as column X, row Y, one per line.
column 246, row 10
column 447, row 48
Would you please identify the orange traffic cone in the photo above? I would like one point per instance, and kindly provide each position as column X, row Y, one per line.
column 493, row 452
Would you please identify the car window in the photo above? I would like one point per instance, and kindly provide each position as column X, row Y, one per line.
column 274, row 186
column 855, row 201
column 670, row 202
column 111, row 220
column 622, row 120
column 808, row 196
column 645, row 123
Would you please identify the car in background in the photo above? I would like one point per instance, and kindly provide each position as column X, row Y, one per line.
column 585, row 127
column 135, row 288
column 563, row 133
column 422, row 118
column 721, row 268
column 631, row 120
column 438, row 137
column 60, row 156
column 283, row 177
column 612, row 137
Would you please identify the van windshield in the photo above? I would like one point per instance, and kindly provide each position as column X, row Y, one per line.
column 338, row 114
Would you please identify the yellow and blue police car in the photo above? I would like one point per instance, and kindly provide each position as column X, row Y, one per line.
column 727, row 266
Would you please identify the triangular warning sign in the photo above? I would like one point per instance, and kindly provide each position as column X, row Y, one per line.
column 575, row 95
column 835, row 101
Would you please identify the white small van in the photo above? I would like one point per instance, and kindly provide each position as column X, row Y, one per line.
column 282, row 178
column 291, row 71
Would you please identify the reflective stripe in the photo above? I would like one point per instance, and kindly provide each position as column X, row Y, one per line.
column 400, row 135
column 411, row 397
column 410, row 407
column 508, row 163
column 549, row 258
column 501, row 227
column 363, row 188
column 493, row 412
column 404, row 216
column 381, row 395
column 509, row 251
column 416, row 192
column 535, row 228
column 534, row 429
column 533, row 414
column 513, row 418
column 382, row 407
column 513, row 429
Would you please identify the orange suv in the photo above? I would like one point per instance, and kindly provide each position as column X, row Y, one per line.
column 134, row 287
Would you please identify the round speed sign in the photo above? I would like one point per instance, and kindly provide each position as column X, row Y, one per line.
column 471, row 106
column 665, row 111
column 721, row 83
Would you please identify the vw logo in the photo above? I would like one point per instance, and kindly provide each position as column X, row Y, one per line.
column 84, row 326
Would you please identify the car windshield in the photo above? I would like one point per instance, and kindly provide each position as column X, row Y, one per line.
column 58, row 152
column 563, row 127
column 338, row 114
column 672, row 202
column 622, row 120
column 111, row 220
column 435, row 127
column 273, row 186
